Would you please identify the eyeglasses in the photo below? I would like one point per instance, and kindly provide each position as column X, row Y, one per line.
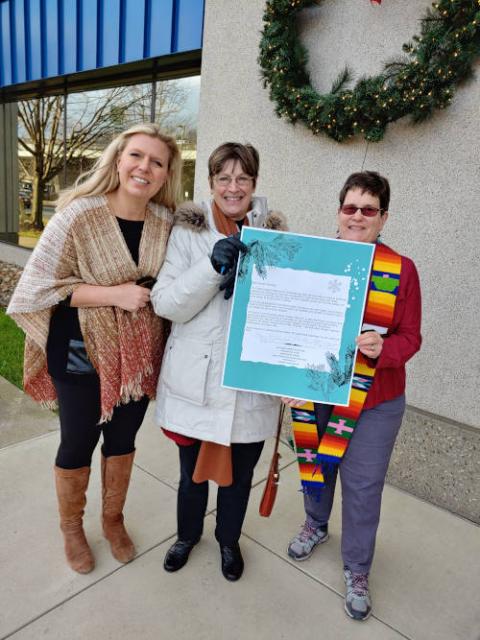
column 241, row 181
column 351, row 209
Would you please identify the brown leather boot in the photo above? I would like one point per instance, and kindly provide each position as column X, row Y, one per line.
column 71, row 485
column 116, row 472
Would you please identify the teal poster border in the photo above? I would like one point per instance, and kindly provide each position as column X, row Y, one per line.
column 269, row 248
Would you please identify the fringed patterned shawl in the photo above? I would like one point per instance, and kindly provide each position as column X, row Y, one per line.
column 84, row 244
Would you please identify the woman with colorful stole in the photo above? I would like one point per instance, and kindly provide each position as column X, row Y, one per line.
column 93, row 342
column 358, row 440
column 220, row 432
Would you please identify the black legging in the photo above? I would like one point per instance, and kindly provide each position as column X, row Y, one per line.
column 79, row 408
column 232, row 501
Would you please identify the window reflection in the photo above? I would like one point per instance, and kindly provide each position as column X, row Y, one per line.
column 176, row 111
column 40, row 157
column 60, row 137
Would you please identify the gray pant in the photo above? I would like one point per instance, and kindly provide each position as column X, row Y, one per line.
column 362, row 472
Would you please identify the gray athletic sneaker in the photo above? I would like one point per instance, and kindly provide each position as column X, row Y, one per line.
column 358, row 604
column 302, row 546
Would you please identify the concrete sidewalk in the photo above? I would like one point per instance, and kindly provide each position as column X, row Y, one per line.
column 425, row 581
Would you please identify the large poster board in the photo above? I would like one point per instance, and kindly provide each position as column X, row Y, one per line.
column 297, row 309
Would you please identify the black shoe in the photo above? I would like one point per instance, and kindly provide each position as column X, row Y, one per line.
column 232, row 561
column 177, row 555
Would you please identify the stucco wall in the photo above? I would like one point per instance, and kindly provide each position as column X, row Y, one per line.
column 433, row 169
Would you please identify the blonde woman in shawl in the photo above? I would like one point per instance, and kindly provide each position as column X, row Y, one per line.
column 93, row 343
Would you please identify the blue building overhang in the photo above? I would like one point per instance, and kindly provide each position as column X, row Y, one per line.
column 42, row 41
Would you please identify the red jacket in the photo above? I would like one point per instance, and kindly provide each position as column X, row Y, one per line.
column 402, row 341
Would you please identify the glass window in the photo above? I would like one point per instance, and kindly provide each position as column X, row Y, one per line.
column 40, row 160
column 176, row 111
column 60, row 137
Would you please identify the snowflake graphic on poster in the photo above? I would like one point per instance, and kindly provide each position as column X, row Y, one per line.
column 334, row 286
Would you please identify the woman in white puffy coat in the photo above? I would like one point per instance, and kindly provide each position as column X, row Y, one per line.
column 193, row 290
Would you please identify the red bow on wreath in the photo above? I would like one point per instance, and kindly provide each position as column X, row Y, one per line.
column 376, row 1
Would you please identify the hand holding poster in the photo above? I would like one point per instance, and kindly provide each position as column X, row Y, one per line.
column 297, row 309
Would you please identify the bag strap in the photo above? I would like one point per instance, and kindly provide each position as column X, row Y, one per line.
column 279, row 429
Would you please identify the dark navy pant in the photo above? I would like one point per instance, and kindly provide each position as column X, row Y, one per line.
column 362, row 473
column 232, row 501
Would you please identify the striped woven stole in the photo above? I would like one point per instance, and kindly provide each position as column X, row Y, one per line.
column 316, row 455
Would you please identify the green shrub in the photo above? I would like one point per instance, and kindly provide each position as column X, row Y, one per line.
column 11, row 350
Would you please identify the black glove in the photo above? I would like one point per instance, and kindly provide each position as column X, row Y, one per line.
column 225, row 253
column 228, row 283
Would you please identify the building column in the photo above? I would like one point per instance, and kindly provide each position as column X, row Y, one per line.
column 8, row 173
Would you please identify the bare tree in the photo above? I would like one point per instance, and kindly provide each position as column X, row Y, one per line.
column 43, row 139
column 93, row 119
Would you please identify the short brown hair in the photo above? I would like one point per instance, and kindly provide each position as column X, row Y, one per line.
column 245, row 154
column 371, row 182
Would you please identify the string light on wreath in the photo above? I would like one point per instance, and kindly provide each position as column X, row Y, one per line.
column 436, row 61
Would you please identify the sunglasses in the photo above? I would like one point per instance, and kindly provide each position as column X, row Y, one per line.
column 351, row 209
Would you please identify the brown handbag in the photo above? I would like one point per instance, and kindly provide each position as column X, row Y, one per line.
column 273, row 478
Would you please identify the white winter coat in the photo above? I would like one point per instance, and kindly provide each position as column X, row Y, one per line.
column 190, row 398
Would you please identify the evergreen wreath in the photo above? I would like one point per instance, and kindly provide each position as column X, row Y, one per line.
column 424, row 80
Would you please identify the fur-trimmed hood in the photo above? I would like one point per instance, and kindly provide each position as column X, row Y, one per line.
column 195, row 217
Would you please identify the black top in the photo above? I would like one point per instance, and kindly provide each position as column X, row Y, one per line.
column 64, row 324
column 132, row 232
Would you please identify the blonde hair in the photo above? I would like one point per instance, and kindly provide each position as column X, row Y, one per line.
column 102, row 178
